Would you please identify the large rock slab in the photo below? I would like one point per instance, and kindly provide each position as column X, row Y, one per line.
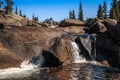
column 71, row 22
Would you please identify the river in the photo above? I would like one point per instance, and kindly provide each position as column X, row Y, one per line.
column 79, row 71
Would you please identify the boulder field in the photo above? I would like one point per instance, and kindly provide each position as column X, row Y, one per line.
column 26, row 41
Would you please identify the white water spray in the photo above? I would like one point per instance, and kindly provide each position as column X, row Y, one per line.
column 76, row 57
column 26, row 69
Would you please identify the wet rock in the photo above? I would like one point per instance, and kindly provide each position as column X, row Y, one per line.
column 50, row 59
column 63, row 49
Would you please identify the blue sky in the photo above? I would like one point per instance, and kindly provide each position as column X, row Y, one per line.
column 58, row 9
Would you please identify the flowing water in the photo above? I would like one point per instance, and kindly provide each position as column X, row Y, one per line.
column 82, row 71
column 79, row 69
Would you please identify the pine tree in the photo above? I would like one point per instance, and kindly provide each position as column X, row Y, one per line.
column 73, row 14
column 80, row 14
column 9, row 6
column 112, row 13
column 36, row 18
column 105, row 9
column 119, row 8
column 70, row 15
column 1, row 4
column 100, row 12
column 33, row 17
column 24, row 16
column 116, row 9
column 20, row 13
column 16, row 11
column 119, row 5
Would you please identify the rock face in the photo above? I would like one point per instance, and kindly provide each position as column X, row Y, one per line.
column 46, row 59
column 13, row 20
column 108, row 39
column 71, row 22
column 96, row 26
column 62, row 47
column 18, row 44
column 73, row 29
column 50, row 23
column 53, row 47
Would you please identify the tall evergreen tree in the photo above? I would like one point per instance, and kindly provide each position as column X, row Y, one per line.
column 9, row 6
column 112, row 13
column 115, row 10
column 73, row 13
column 100, row 12
column 119, row 8
column 70, row 15
column 105, row 9
column 16, row 10
column 119, row 5
column 80, row 14
column 20, row 13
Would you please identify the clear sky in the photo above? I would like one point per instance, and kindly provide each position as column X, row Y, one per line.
column 58, row 9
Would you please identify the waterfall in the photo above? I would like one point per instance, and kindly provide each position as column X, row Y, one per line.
column 83, row 48
column 76, row 57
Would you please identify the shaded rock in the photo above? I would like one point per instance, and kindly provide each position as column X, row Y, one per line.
column 96, row 26
column 50, row 59
column 108, row 39
column 2, row 26
column 46, row 59
column 114, row 31
column 71, row 22
column 108, row 49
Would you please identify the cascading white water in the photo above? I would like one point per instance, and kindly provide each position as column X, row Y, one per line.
column 76, row 57
column 89, row 43
column 26, row 69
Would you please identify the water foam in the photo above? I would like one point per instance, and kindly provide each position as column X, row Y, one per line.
column 26, row 69
column 76, row 57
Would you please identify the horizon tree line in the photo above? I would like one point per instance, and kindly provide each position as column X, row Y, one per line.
column 102, row 13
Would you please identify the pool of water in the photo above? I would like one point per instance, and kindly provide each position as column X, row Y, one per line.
column 82, row 71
